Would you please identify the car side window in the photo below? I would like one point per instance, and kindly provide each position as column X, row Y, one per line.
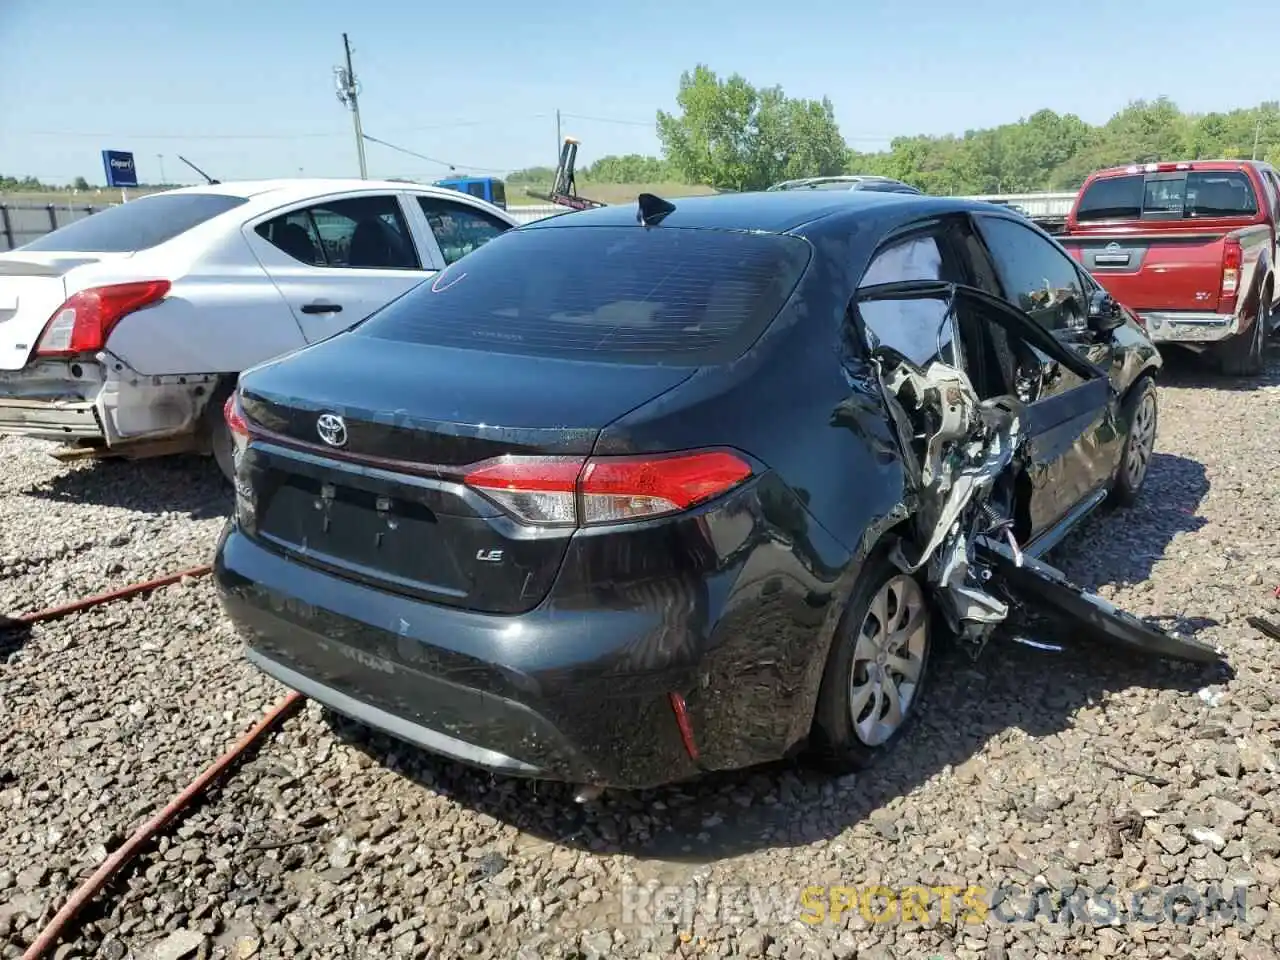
column 1273, row 192
column 295, row 234
column 459, row 228
column 1037, row 277
column 914, row 328
column 357, row 233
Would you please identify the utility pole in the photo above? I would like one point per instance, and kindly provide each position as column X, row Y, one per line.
column 559, row 139
column 160, row 157
column 1257, row 129
column 348, row 94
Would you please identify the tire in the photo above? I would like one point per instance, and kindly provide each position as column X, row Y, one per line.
column 1245, row 357
column 217, row 433
column 1141, row 412
column 837, row 743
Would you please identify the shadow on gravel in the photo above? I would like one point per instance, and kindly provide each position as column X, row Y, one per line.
column 1184, row 369
column 13, row 635
column 789, row 805
column 1123, row 546
column 184, row 484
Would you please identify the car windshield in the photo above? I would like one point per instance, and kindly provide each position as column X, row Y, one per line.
column 137, row 225
column 606, row 294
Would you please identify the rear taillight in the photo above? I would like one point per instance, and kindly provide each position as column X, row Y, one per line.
column 236, row 424
column 566, row 491
column 83, row 323
column 1232, row 262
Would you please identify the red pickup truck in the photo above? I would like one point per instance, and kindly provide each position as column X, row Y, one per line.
column 1190, row 247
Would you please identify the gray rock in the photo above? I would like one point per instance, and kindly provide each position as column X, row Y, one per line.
column 177, row 945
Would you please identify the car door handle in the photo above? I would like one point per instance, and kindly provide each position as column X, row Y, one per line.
column 322, row 308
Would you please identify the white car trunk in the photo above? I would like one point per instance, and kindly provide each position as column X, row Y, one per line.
column 32, row 286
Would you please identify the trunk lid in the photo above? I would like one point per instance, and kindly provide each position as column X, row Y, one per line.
column 387, row 506
column 32, row 286
column 1163, row 270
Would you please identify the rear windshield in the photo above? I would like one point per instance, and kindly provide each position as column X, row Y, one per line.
column 137, row 225
column 1196, row 195
column 607, row 294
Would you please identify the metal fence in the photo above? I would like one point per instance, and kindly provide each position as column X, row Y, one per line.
column 23, row 222
column 1036, row 204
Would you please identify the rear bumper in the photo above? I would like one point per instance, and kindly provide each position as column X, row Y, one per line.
column 1177, row 326
column 100, row 401
column 50, row 419
column 510, row 694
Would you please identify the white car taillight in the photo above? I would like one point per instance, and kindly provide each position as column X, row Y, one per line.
column 83, row 323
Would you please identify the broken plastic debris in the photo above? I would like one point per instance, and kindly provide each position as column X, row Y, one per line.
column 1037, row 644
column 1211, row 697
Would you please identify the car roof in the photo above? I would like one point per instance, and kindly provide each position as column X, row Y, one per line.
column 299, row 188
column 266, row 195
column 768, row 211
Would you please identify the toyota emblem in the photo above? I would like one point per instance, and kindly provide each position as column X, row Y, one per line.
column 332, row 429
column 1112, row 246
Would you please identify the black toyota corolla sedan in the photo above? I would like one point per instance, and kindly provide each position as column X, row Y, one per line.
column 639, row 492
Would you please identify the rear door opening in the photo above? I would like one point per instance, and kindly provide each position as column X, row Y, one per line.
column 440, row 449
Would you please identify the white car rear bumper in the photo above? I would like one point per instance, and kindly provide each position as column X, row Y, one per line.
column 50, row 419
column 100, row 402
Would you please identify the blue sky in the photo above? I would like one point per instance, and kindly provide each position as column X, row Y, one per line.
column 245, row 87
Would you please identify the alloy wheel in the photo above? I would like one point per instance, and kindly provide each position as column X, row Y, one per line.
column 888, row 660
column 1142, row 441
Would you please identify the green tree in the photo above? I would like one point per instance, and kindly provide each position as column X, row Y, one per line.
column 81, row 184
column 632, row 168
column 729, row 135
column 532, row 175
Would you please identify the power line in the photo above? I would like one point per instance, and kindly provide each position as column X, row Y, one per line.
column 423, row 156
column 446, row 125
column 178, row 136
column 620, row 122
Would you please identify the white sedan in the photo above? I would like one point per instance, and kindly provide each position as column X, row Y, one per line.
column 121, row 334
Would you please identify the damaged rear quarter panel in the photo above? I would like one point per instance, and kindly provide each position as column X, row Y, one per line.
column 823, row 430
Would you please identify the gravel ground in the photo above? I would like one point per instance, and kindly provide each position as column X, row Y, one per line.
column 1053, row 772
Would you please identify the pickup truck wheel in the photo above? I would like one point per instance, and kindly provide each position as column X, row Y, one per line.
column 1245, row 356
column 1141, row 412
column 876, row 669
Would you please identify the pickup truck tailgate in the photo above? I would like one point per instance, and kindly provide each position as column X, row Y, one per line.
column 1156, row 271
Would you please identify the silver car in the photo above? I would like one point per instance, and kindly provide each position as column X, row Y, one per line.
column 849, row 182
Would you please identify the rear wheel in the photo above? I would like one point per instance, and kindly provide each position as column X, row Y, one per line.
column 1244, row 356
column 217, row 433
column 1142, row 414
column 875, row 671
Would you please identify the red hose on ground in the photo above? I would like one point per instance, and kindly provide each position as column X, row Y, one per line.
column 53, row 613
column 87, row 890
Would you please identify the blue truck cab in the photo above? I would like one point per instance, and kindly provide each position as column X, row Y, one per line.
column 485, row 188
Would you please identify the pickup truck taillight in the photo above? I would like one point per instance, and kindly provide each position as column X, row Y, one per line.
column 83, row 323
column 1232, row 262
